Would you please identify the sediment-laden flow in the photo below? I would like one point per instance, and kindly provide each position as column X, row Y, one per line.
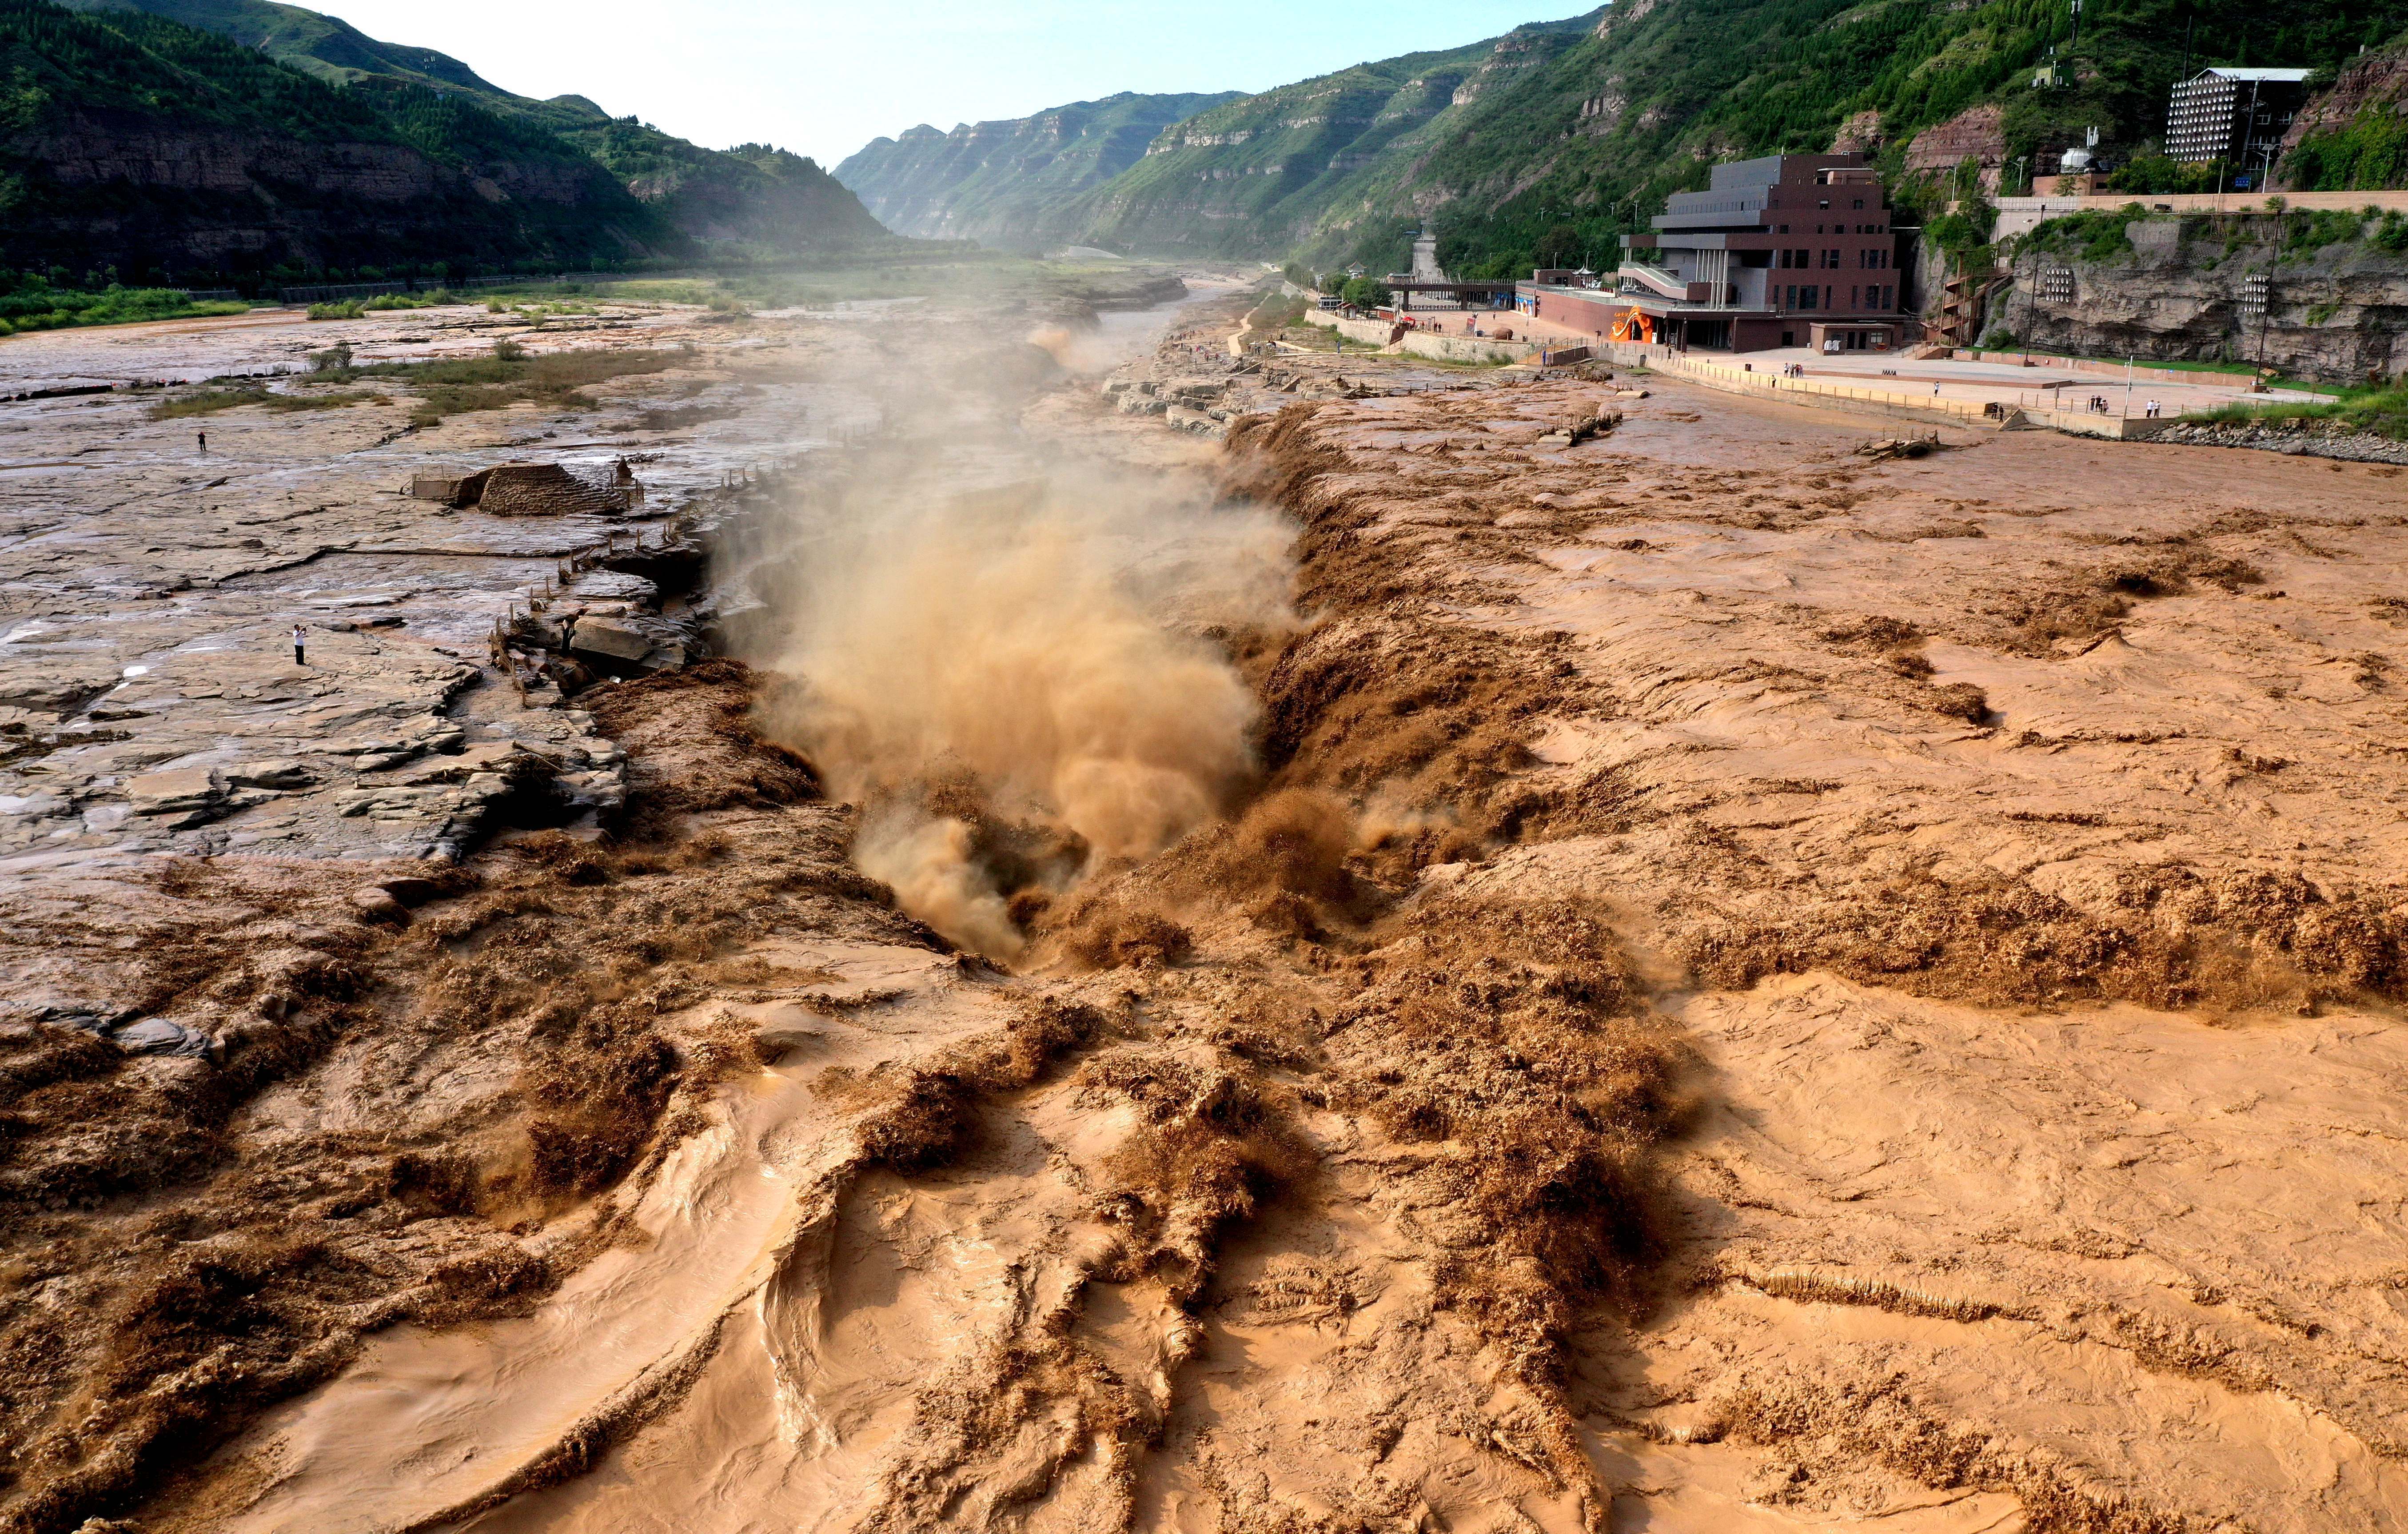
column 1737, row 983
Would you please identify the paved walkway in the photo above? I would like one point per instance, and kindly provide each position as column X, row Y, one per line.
column 2035, row 389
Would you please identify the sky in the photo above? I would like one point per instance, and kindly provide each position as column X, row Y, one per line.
column 822, row 78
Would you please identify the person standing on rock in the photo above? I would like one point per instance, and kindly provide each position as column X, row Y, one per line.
column 203, row 438
column 299, row 657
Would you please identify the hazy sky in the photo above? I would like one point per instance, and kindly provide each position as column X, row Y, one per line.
column 824, row 78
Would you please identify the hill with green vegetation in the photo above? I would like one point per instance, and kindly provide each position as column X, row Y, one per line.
column 1542, row 146
column 134, row 146
column 1005, row 182
column 752, row 196
column 1310, row 165
column 2354, row 137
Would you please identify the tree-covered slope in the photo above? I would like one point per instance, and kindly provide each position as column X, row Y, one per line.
column 324, row 45
column 1547, row 143
column 1006, row 182
column 1579, row 150
column 1266, row 172
column 133, row 141
column 752, row 195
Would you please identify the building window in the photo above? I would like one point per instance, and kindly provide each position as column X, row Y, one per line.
column 1810, row 297
column 1790, row 300
column 1861, row 202
column 1889, row 297
column 1783, row 230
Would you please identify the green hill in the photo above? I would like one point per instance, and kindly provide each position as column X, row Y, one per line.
column 132, row 141
column 1545, row 144
column 324, row 45
column 752, row 195
column 1295, row 167
column 1572, row 155
column 1006, row 182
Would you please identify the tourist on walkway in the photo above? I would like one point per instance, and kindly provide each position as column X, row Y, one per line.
column 299, row 658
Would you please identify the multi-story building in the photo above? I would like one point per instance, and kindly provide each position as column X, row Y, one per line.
column 2236, row 115
column 1791, row 249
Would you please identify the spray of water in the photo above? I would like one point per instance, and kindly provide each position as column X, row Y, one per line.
column 1019, row 682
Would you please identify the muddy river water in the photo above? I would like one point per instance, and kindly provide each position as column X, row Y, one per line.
column 1278, row 942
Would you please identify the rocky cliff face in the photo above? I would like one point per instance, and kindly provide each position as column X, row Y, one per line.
column 2353, row 137
column 752, row 194
column 2182, row 289
column 97, row 189
column 2375, row 82
column 1006, row 182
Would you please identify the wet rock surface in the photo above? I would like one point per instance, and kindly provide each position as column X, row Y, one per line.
column 1757, row 985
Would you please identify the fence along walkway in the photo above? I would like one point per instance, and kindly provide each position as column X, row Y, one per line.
column 1736, row 379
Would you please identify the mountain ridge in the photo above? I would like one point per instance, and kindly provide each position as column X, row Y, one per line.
column 132, row 142
column 1542, row 145
column 754, row 195
column 1004, row 182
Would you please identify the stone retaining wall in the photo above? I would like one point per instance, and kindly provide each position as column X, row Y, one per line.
column 2317, row 441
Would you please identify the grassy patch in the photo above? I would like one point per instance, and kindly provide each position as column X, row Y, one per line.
column 2097, row 235
column 496, row 384
column 351, row 308
column 2378, row 411
column 1276, row 311
column 44, row 307
column 449, row 387
column 210, row 401
column 542, row 311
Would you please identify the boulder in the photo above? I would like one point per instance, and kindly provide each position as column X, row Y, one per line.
column 275, row 772
column 375, row 903
column 504, row 756
column 160, row 1035
column 610, row 640
column 411, row 892
column 180, row 792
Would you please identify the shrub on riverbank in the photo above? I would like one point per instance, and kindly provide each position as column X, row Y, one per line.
column 2380, row 411
column 36, row 305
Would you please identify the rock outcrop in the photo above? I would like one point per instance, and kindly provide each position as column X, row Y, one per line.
column 2183, row 289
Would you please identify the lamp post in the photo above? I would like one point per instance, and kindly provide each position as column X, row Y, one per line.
column 2032, row 302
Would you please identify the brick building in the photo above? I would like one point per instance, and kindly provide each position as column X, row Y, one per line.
column 1791, row 249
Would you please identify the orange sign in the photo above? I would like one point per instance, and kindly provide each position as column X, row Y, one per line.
column 1633, row 325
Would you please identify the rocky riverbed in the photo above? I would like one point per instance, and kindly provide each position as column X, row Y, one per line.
column 1450, row 948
